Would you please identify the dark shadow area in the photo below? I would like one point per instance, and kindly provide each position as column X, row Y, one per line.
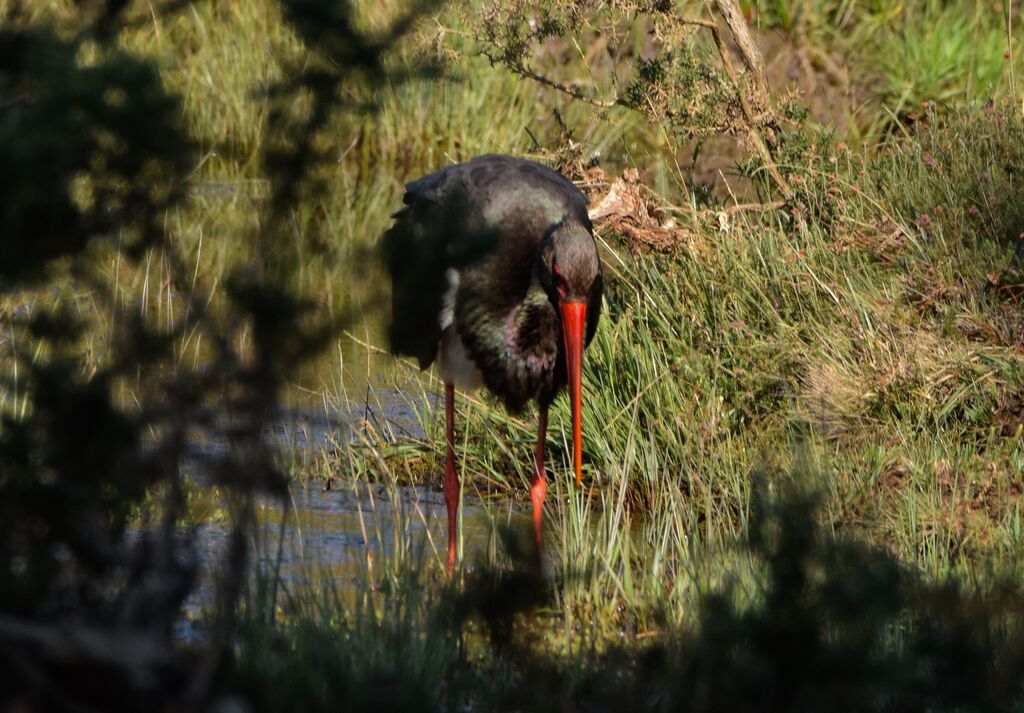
column 95, row 152
column 826, row 624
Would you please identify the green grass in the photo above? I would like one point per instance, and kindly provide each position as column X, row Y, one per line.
column 866, row 63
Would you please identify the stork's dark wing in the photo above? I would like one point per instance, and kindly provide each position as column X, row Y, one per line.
column 440, row 228
column 417, row 285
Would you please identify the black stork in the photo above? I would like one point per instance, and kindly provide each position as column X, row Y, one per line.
column 495, row 274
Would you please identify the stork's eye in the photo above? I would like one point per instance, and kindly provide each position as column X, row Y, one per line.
column 563, row 288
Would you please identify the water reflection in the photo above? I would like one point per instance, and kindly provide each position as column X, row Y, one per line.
column 352, row 535
column 349, row 533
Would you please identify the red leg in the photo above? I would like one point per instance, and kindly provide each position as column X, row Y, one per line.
column 539, row 485
column 451, row 476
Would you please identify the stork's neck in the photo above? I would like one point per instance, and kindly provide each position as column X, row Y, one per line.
column 531, row 331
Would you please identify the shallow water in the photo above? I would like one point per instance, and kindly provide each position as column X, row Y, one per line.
column 347, row 533
column 347, row 537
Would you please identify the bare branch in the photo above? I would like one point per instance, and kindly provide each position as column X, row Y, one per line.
column 523, row 70
column 756, row 110
column 752, row 118
column 748, row 49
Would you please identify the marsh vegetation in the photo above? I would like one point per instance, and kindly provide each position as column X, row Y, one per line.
column 804, row 408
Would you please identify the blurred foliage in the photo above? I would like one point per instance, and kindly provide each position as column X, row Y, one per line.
column 832, row 624
column 94, row 151
column 96, row 155
column 78, row 162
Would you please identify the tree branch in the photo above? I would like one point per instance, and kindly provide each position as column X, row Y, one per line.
column 748, row 48
column 752, row 118
column 523, row 70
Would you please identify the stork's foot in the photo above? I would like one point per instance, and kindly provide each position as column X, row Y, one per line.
column 538, row 489
column 539, row 484
column 451, row 499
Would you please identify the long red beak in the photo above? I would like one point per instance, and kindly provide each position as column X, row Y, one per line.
column 574, row 316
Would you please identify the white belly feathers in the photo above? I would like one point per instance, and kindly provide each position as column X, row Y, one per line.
column 454, row 364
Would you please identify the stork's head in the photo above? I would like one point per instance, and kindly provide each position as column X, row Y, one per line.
column 570, row 273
